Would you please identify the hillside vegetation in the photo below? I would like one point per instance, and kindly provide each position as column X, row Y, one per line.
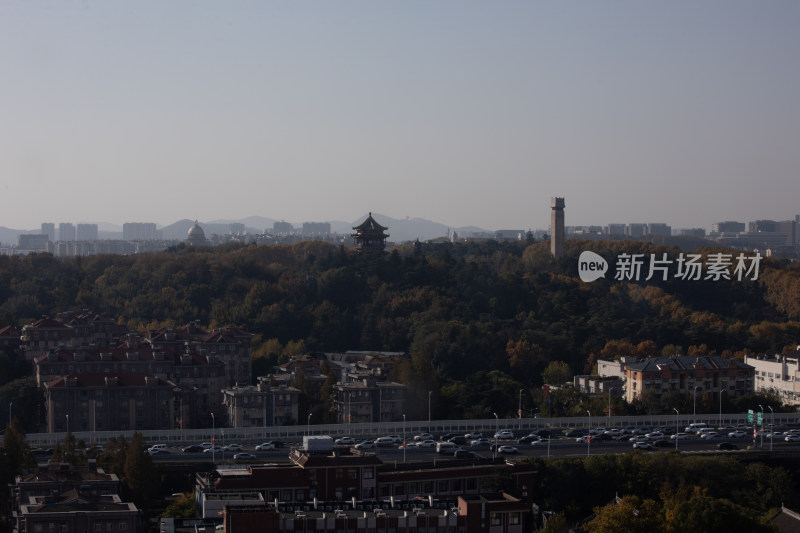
column 473, row 317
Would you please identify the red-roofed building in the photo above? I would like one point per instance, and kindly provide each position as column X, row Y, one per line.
column 106, row 402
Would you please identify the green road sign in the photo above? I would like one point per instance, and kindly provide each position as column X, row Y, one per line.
column 749, row 415
column 760, row 419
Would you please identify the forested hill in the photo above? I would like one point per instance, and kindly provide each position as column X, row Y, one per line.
column 458, row 308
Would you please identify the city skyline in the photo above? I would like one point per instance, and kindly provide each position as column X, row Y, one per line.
column 464, row 113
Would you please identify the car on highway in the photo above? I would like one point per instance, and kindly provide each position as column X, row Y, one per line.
column 385, row 442
column 504, row 434
column 364, row 446
column 193, row 448
column 679, row 436
column 727, row 446
column 232, row 448
column 582, row 440
column 738, row 434
column 473, row 435
column 155, row 447
column 663, row 443
column 792, row 438
column 507, row 449
column 423, row 436
column 244, row 456
column 206, row 445
column 265, row 446
column 710, row 435
column 642, row 445
column 483, row 441
column 213, row 449
column 527, row 439
column 345, row 441
column 157, row 451
column 430, row 443
column 464, row 454
column 458, row 439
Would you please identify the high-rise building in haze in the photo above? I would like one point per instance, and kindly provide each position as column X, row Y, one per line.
column 557, row 226
column 66, row 232
column 140, row 231
column 729, row 226
column 49, row 229
column 87, row 232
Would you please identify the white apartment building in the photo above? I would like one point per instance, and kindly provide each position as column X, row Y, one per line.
column 779, row 373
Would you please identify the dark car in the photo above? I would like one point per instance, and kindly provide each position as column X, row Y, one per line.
column 464, row 454
column 575, row 433
column 458, row 439
column 663, row 443
column 193, row 448
column 727, row 446
column 448, row 436
column 544, row 433
column 527, row 439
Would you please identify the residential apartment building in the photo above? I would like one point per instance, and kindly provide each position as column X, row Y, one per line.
column 62, row 497
column 103, row 402
column 262, row 405
column 688, row 374
column 199, row 380
column 369, row 400
column 341, row 478
column 779, row 374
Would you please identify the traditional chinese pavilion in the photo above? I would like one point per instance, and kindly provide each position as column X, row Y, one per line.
column 370, row 236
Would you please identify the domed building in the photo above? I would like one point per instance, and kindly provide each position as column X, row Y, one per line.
column 196, row 236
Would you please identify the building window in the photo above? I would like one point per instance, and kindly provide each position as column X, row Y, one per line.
column 513, row 519
column 369, row 473
column 495, row 519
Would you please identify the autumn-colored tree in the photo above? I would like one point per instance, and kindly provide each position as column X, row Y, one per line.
column 557, row 373
column 182, row 507
column 628, row 515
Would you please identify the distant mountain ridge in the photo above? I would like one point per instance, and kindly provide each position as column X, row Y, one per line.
column 400, row 230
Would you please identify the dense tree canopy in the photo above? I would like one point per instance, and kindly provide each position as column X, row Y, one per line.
column 457, row 309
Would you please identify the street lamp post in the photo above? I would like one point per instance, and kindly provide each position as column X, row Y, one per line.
column 213, row 441
column 519, row 411
column 771, row 426
column 308, row 425
column 496, row 428
column 9, row 412
column 67, row 423
column 429, row 409
column 694, row 402
column 589, row 436
column 608, row 424
column 721, row 390
column 404, row 438
column 762, row 425
column 677, row 425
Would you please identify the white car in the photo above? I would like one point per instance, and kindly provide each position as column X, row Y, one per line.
column 423, row 436
column 642, row 445
column 792, row 438
column 738, row 434
column 679, row 436
column 504, row 435
column 368, row 445
column 264, row 446
column 430, row 443
column 232, row 448
column 473, row 435
column 507, row 449
column 345, row 441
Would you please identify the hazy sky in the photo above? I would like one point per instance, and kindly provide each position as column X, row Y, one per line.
column 466, row 113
